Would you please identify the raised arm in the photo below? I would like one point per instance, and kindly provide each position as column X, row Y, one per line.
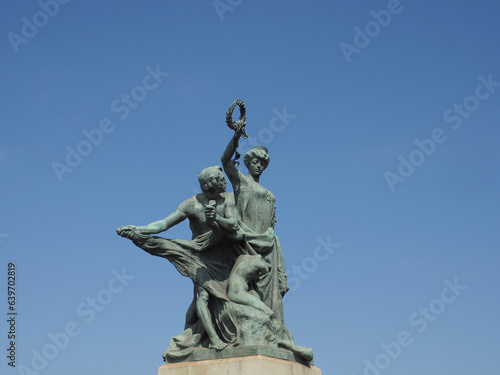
column 228, row 165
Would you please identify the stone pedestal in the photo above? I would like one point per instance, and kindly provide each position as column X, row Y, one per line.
column 250, row 365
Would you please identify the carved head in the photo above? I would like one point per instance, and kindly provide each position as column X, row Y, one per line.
column 257, row 155
column 212, row 180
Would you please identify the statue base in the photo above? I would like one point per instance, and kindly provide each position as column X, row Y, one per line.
column 250, row 365
column 203, row 354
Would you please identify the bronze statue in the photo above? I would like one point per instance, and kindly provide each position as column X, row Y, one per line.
column 234, row 258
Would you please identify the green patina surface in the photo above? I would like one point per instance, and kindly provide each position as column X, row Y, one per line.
column 234, row 260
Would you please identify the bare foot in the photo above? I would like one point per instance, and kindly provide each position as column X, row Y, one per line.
column 304, row 352
column 217, row 344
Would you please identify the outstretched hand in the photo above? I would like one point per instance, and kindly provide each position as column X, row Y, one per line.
column 127, row 231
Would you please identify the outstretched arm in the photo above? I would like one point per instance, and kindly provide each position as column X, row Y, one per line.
column 156, row 227
column 162, row 225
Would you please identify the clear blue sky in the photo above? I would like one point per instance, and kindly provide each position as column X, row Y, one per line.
column 382, row 123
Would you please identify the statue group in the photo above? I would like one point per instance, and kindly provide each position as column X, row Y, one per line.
column 234, row 259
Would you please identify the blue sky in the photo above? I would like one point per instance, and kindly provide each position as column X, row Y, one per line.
column 382, row 123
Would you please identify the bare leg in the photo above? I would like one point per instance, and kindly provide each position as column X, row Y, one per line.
column 206, row 319
column 191, row 316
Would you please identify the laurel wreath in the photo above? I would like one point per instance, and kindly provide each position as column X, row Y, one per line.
column 241, row 123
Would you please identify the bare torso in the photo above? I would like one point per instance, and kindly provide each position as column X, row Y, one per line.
column 195, row 206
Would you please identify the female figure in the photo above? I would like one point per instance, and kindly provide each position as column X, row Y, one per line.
column 255, row 211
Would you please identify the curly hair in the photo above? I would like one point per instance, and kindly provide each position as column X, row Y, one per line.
column 259, row 152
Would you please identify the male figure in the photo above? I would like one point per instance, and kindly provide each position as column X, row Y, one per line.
column 210, row 214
